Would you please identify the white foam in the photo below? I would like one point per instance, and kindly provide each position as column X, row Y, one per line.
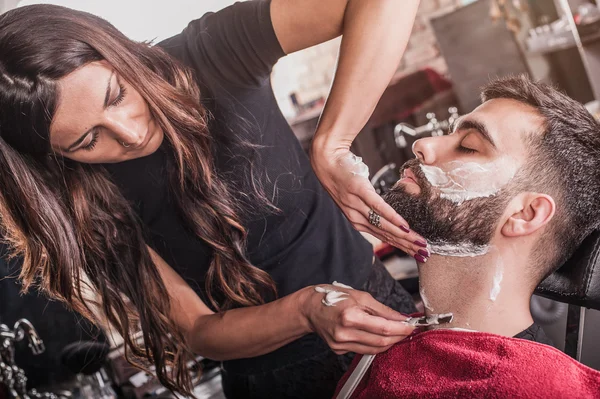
column 331, row 296
column 424, row 299
column 498, row 275
column 334, row 297
column 342, row 285
column 463, row 249
column 463, row 181
column 355, row 165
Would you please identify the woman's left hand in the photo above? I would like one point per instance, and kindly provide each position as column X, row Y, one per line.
column 354, row 321
column 347, row 182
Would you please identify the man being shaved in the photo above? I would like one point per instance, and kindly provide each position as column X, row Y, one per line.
column 504, row 200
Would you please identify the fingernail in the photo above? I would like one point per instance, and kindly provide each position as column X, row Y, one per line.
column 424, row 253
column 404, row 229
column 421, row 243
column 419, row 258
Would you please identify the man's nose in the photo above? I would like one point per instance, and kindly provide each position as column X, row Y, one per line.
column 425, row 150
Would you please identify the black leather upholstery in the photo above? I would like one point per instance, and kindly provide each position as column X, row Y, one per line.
column 578, row 281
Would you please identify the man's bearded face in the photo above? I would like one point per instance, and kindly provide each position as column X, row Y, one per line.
column 442, row 221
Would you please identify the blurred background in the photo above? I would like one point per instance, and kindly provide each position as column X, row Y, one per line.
column 456, row 47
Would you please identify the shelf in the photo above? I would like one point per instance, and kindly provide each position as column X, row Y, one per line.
column 563, row 43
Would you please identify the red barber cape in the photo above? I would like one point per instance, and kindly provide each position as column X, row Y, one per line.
column 459, row 364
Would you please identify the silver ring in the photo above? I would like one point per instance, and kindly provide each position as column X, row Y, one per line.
column 374, row 218
column 125, row 145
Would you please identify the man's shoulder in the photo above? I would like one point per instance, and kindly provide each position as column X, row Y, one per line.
column 451, row 363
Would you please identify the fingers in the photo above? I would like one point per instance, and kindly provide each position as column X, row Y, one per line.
column 391, row 223
column 410, row 244
column 381, row 326
column 414, row 248
column 367, row 342
column 360, row 323
column 367, row 334
column 345, row 336
column 374, row 308
column 396, row 237
column 356, row 203
column 373, row 317
column 375, row 202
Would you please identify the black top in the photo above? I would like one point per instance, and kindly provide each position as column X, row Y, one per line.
column 310, row 242
column 534, row 333
column 232, row 52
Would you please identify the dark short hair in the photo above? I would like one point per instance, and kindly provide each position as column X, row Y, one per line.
column 564, row 162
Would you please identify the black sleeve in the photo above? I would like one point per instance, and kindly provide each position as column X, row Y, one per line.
column 236, row 45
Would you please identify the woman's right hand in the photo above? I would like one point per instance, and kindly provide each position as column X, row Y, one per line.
column 346, row 179
column 357, row 324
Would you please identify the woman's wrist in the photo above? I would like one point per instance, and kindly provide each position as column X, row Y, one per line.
column 304, row 305
column 329, row 144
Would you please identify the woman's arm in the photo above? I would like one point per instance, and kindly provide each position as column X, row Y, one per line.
column 358, row 324
column 375, row 35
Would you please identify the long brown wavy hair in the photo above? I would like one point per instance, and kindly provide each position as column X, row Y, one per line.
column 70, row 223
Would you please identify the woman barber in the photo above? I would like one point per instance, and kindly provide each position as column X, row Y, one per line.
column 166, row 181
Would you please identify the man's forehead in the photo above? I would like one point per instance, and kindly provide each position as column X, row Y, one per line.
column 504, row 115
column 508, row 121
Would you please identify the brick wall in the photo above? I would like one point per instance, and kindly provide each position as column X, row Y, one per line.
column 308, row 73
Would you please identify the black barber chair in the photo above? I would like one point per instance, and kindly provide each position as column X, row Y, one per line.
column 576, row 283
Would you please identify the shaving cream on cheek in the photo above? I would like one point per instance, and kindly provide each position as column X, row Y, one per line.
column 462, row 181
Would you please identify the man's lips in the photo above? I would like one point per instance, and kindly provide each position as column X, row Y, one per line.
column 409, row 177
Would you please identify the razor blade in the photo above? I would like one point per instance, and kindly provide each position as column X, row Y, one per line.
column 431, row 320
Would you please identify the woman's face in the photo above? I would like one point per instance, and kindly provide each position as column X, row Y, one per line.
column 100, row 118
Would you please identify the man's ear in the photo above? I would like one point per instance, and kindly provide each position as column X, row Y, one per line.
column 528, row 213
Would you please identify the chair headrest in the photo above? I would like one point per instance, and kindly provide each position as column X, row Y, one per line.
column 578, row 280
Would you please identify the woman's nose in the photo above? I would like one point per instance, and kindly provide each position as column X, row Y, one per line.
column 126, row 130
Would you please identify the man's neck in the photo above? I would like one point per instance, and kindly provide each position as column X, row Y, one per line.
column 483, row 293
